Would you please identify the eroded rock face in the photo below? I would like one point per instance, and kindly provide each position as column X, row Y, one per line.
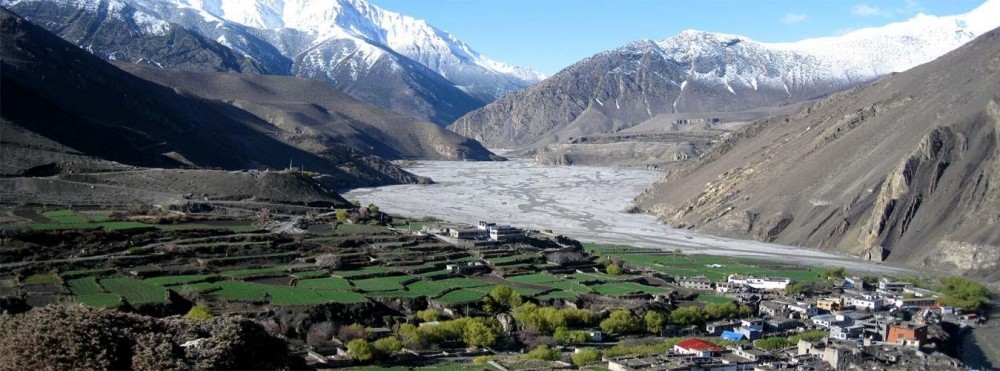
column 905, row 169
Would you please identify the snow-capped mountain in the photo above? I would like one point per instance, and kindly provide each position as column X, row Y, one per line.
column 378, row 56
column 697, row 71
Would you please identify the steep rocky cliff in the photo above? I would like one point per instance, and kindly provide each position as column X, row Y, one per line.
column 905, row 169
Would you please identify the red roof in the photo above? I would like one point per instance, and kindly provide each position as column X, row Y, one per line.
column 699, row 345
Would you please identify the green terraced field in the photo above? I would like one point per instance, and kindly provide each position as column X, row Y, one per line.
column 65, row 217
column 395, row 294
column 393, row 283
column 462, row 282
column 461, row 296
column 135, row 291
column 84, row 286
column 41, row 279
column 328, row 283
column 99, row 300
column 513, row 259
column 713, row 299
column 599, row 277
column 622, row 288
column 180, row 280
column 283, row 295
column 366, row 271
column 569, row 286
column 86, row 272
column 237, row 290
column 426, row 288
column 693, row 265
column 252, row 272
column 310, row 274
column 200, row 287
column 534, row 278
column 360, row 229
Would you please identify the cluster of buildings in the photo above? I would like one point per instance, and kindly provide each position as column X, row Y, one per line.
column 869, row 325
column 487, row 231
column 736, row 283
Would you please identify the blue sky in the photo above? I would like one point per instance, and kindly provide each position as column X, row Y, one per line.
column 549, row 35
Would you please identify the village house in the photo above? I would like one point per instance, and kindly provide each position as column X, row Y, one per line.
column 716, row 328
column 467, row 268
column 907, row 334
column 890, row 287
column 468, row 233
column 782, row 324
column 697, row 347
column 830, row 304
column 751, row 329
column 760, row 283
column 806, row 310
column 870, row 302
column 830, row 320
column 695, row 283
column 915, row 302
column 774, row 309
column 727, row 287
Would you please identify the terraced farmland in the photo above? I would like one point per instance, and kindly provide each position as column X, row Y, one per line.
column 392, row 283
column 135, row 291
column 328, row 283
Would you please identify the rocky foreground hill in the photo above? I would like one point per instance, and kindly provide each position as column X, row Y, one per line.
column 905, row 169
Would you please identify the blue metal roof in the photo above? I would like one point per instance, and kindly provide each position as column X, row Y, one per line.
column 730, row 335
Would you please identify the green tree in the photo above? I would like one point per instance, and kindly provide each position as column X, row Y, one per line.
column 687, row 316
column 343, row 214
column 477, row 334
column 373, row 209
column 797, row 288
column 361, row 350
column 428, row 315
column 386, row 347
column 585, row 357
column 200, row 312
column 544, row 353
column 566, row 336
column 356, row 203
column 964, row 293
column 614, row 269
column 620, row 322
column 655, row 322
column 501, row 299
column 832, row 273
column 411, row 335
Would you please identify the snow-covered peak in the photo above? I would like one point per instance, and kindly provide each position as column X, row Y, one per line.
column 859, row 55
column 326, row 19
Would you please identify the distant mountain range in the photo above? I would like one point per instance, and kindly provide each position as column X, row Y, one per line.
column 65, row 111
column 905, row 169
column 377, row 56
column 709, row 72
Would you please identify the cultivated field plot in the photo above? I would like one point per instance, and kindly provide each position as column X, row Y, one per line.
column 84, row 286
column 181, row 280
column 625, row 288
column 135, row 291
column 76, row 219
column 713, row 299
column 328, row 283
column 713, row 267
column 392, row 283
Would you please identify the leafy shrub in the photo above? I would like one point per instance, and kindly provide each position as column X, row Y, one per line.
column 544, row 353
column 585, row 357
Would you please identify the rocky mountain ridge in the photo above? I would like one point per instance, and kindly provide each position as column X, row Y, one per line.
column 378, row 56
column 699, row 71
column 904, row 169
